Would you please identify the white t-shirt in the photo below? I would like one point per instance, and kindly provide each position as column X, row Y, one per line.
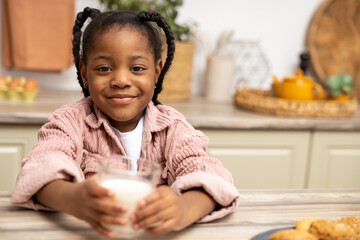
column 132, row 141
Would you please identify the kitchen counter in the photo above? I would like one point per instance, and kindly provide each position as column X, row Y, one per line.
column 259, row 211
column 198, row 111
column 293, row 152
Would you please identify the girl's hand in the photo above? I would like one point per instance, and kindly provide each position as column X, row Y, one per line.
column 162, row 207
column 93, row 203
column 163, row 210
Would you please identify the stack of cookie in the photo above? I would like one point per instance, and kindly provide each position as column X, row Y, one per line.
column 347, row 228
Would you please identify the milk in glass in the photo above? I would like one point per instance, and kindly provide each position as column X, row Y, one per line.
column 127, row 191
column 129, row 185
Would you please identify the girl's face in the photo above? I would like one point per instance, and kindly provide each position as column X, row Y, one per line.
column 120, row 74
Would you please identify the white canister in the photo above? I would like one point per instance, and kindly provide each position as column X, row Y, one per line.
column 219, row 76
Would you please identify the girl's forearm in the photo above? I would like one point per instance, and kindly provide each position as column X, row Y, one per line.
column 55, row 195
column 201, row 203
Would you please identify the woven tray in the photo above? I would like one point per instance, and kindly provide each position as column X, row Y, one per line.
column 261, row 101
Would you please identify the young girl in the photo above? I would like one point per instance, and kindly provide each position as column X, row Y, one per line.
column 119, row 67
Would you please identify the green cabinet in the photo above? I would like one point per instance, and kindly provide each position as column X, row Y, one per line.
column 15, row 142
column 335, row 160
column 288, row 159
column 257, row 159
column 262, row 159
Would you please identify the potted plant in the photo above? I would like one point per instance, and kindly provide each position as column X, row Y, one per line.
column 340, row 86
column 177, row 84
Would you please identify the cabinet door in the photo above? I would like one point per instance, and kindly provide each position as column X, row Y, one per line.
column 262, row 159
column 335, row 160
column 10, row 154
column 15, row 142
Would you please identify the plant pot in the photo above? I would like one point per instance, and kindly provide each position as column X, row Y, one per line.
column 341, row 97
column 177, row 82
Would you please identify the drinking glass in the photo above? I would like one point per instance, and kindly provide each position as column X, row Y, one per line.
column 115, row 173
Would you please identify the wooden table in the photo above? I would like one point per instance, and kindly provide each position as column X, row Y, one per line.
column 259, row 211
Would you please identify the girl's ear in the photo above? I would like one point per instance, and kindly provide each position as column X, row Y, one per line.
column 158, row 68
column 83, row 74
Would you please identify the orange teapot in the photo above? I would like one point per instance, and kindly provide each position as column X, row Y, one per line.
column 298, row 87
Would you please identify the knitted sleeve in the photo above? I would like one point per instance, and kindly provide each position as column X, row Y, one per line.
column 190, row 167
column 53, row 157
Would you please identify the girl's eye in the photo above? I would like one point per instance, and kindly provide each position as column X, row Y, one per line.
column 103, row 69
column 137, row 69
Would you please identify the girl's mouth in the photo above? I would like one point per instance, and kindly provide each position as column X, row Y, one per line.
column 121, row 98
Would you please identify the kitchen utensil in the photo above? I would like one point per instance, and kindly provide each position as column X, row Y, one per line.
column 223, row 41
column 251, row 64
column 220, row 72
column 267, row 234
column 333, row 40
column 298, row 87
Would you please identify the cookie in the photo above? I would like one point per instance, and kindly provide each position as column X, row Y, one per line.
column 292, row 234
column 332, row 230
column 304, row 224
column 354, row 222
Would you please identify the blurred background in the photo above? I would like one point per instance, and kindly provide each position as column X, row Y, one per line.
column 274, row 84
column 278, row 26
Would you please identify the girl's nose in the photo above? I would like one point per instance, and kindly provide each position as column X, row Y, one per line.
column 121, row 79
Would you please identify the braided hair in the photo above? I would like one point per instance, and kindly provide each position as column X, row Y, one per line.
column 101, row 22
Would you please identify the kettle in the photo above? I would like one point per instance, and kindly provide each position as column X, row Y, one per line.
column 297, row 87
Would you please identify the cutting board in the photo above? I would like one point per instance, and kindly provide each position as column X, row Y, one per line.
column 333, row 40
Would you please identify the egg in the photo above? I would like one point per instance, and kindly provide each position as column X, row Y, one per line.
column 31, row 90
column 4, row 86
column 17, row 84
column 31, row 85
column 3, row 83
column 16, row 87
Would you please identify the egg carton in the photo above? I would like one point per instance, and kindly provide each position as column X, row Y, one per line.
column 18, row 89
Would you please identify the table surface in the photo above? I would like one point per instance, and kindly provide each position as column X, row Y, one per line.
column 259, row 211
column 200, row 112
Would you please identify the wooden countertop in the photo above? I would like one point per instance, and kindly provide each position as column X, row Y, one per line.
column 259, row 211
column 198, row 111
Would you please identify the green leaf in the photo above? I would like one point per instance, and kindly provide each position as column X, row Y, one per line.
column 167, row 8
column 348, row 80
column 339, row 84
column 346, row 88
column 334, row 82
column 335, row 92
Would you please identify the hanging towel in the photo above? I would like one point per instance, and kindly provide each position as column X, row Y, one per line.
column 37, row 34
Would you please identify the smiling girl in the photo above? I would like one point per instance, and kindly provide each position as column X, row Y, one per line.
column 119, row 67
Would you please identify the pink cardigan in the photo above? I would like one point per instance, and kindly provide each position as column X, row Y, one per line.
column 79, row 133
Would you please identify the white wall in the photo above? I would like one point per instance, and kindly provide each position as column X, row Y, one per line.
column 279, row 25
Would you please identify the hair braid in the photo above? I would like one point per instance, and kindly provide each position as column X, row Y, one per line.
column 170, row 40
column 81, row 17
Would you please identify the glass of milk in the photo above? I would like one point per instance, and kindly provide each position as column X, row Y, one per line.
column 130, row 179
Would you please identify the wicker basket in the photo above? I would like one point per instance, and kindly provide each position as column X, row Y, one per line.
column 261, row 101
column 177, row 82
